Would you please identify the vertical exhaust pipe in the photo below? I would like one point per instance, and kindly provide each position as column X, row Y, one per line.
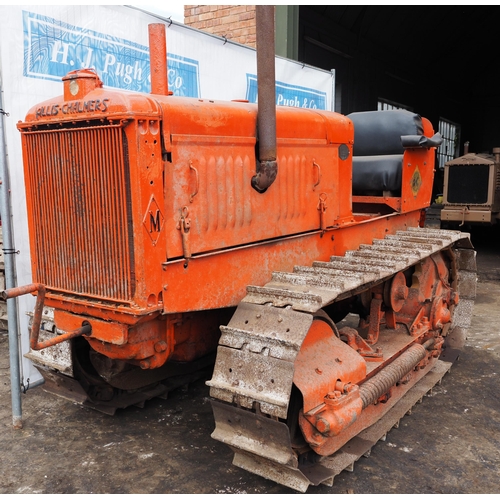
column 158, row 59
column 267, row 166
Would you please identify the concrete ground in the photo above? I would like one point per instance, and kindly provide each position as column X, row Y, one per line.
column 449, row 444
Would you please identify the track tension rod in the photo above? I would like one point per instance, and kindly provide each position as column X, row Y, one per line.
column 11, row 293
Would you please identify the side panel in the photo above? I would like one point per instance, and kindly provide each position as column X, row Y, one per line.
column 209, row 182
column 418, row 175
column 213, row 150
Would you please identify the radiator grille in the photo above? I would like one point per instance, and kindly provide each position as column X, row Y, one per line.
column 468, row 184
column 80, row 206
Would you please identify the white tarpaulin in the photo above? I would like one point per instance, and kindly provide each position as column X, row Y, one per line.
column 40, row 44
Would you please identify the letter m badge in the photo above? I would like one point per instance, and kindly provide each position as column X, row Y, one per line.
column 153, row 220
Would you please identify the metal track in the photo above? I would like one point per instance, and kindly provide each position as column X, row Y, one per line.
column 255, row 361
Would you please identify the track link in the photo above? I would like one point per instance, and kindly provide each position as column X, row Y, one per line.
column 253, row 376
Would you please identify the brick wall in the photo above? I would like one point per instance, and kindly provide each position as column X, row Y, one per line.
column 235, row 22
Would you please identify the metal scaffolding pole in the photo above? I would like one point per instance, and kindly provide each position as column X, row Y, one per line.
column 10, row 281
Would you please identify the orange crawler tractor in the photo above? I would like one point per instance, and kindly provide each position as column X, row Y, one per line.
column 156, row 219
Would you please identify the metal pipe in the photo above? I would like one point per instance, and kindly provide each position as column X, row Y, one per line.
column 37, row 317
column 267, row 166
column 158, row 59
column 8, row 250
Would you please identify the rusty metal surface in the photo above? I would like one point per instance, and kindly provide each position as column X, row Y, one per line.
column 304, row 293
column 57, row 357
column 64, row 386
column 256, row 339
column 95, row 153
column 36, row 324
column 264, row 20
column 63, row 337
column 465, row 456
column 258, row 435
column 298, row 293
column 361, row 445
column 310, row 298
column 267, row 167
column 269, row 469
column 380, row 383
column 462, row 314
column 473, row 159
column 301, row 477
column 158, row 58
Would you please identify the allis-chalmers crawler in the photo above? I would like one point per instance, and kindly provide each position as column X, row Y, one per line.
column 156, row 219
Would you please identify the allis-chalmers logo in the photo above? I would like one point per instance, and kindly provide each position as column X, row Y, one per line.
column 73, row 107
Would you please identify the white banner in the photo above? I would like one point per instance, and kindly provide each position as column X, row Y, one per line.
column 40, row 44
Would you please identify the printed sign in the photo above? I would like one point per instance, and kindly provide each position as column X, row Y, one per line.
column 53, row 48
column 289, row 95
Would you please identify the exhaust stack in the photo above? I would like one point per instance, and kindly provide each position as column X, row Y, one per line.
column 267, row 166
column 158, row 59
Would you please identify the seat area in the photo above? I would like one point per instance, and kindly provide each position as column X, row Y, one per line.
column 380, row 139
